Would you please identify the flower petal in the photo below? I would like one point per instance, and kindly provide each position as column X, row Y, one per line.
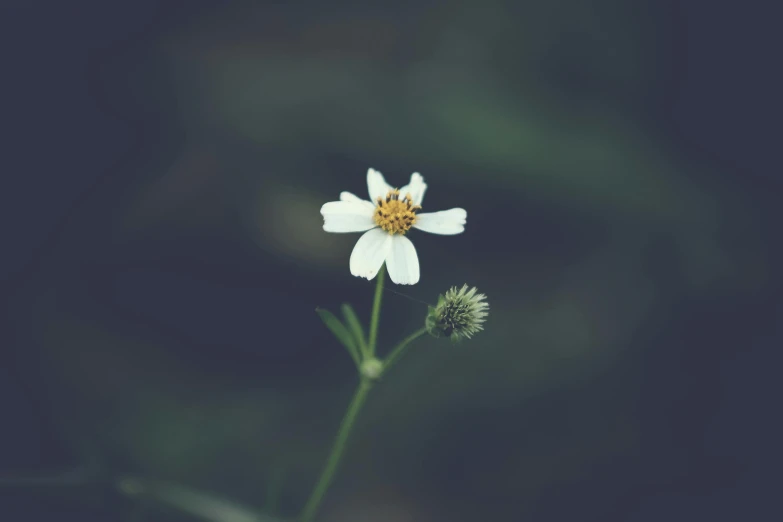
column 347, row 216
column 376, row 185
column 445, row 222
column 402, row 262
column 347, row 196
column 415, row 188
column 370, row 252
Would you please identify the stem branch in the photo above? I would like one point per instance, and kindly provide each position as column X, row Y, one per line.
column 400, row 349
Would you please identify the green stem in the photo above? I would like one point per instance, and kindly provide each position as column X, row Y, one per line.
column 400, row 349
column 327, row 475
column 376, row 310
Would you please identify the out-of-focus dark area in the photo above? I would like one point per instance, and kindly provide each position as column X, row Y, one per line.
column 164, row 164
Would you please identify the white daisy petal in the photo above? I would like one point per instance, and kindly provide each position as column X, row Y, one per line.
column 402, row 261
column 445, row 222
column 376, row 185
column 370, row 252
column 347, row 216
column 347, row 196
column 415, row 188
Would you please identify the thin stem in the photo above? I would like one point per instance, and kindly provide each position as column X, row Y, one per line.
column 376, row 310
column 327, row 475
column 400, row 349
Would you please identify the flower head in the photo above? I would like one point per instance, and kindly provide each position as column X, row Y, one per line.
column 459, row 314
column 385, row 220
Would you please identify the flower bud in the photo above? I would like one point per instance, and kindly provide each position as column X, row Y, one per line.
column 459, row 314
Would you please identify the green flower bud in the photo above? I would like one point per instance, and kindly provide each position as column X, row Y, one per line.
column 459, row 314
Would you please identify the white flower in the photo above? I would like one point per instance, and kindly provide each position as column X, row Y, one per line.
column 386, row 221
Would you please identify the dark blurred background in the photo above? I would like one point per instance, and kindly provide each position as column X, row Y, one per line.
column 164, row 164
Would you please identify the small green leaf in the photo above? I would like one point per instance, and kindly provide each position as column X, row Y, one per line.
column 355, row 326
column 200, row 504
column 340, row 332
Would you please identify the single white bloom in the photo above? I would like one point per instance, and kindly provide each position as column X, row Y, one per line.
column 385, row 219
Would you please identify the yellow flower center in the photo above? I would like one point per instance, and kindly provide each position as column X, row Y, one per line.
column 395, row 215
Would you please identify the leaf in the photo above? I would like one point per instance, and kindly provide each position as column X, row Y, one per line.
column 197, row 503
column 355, row 326
column 340, row 332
